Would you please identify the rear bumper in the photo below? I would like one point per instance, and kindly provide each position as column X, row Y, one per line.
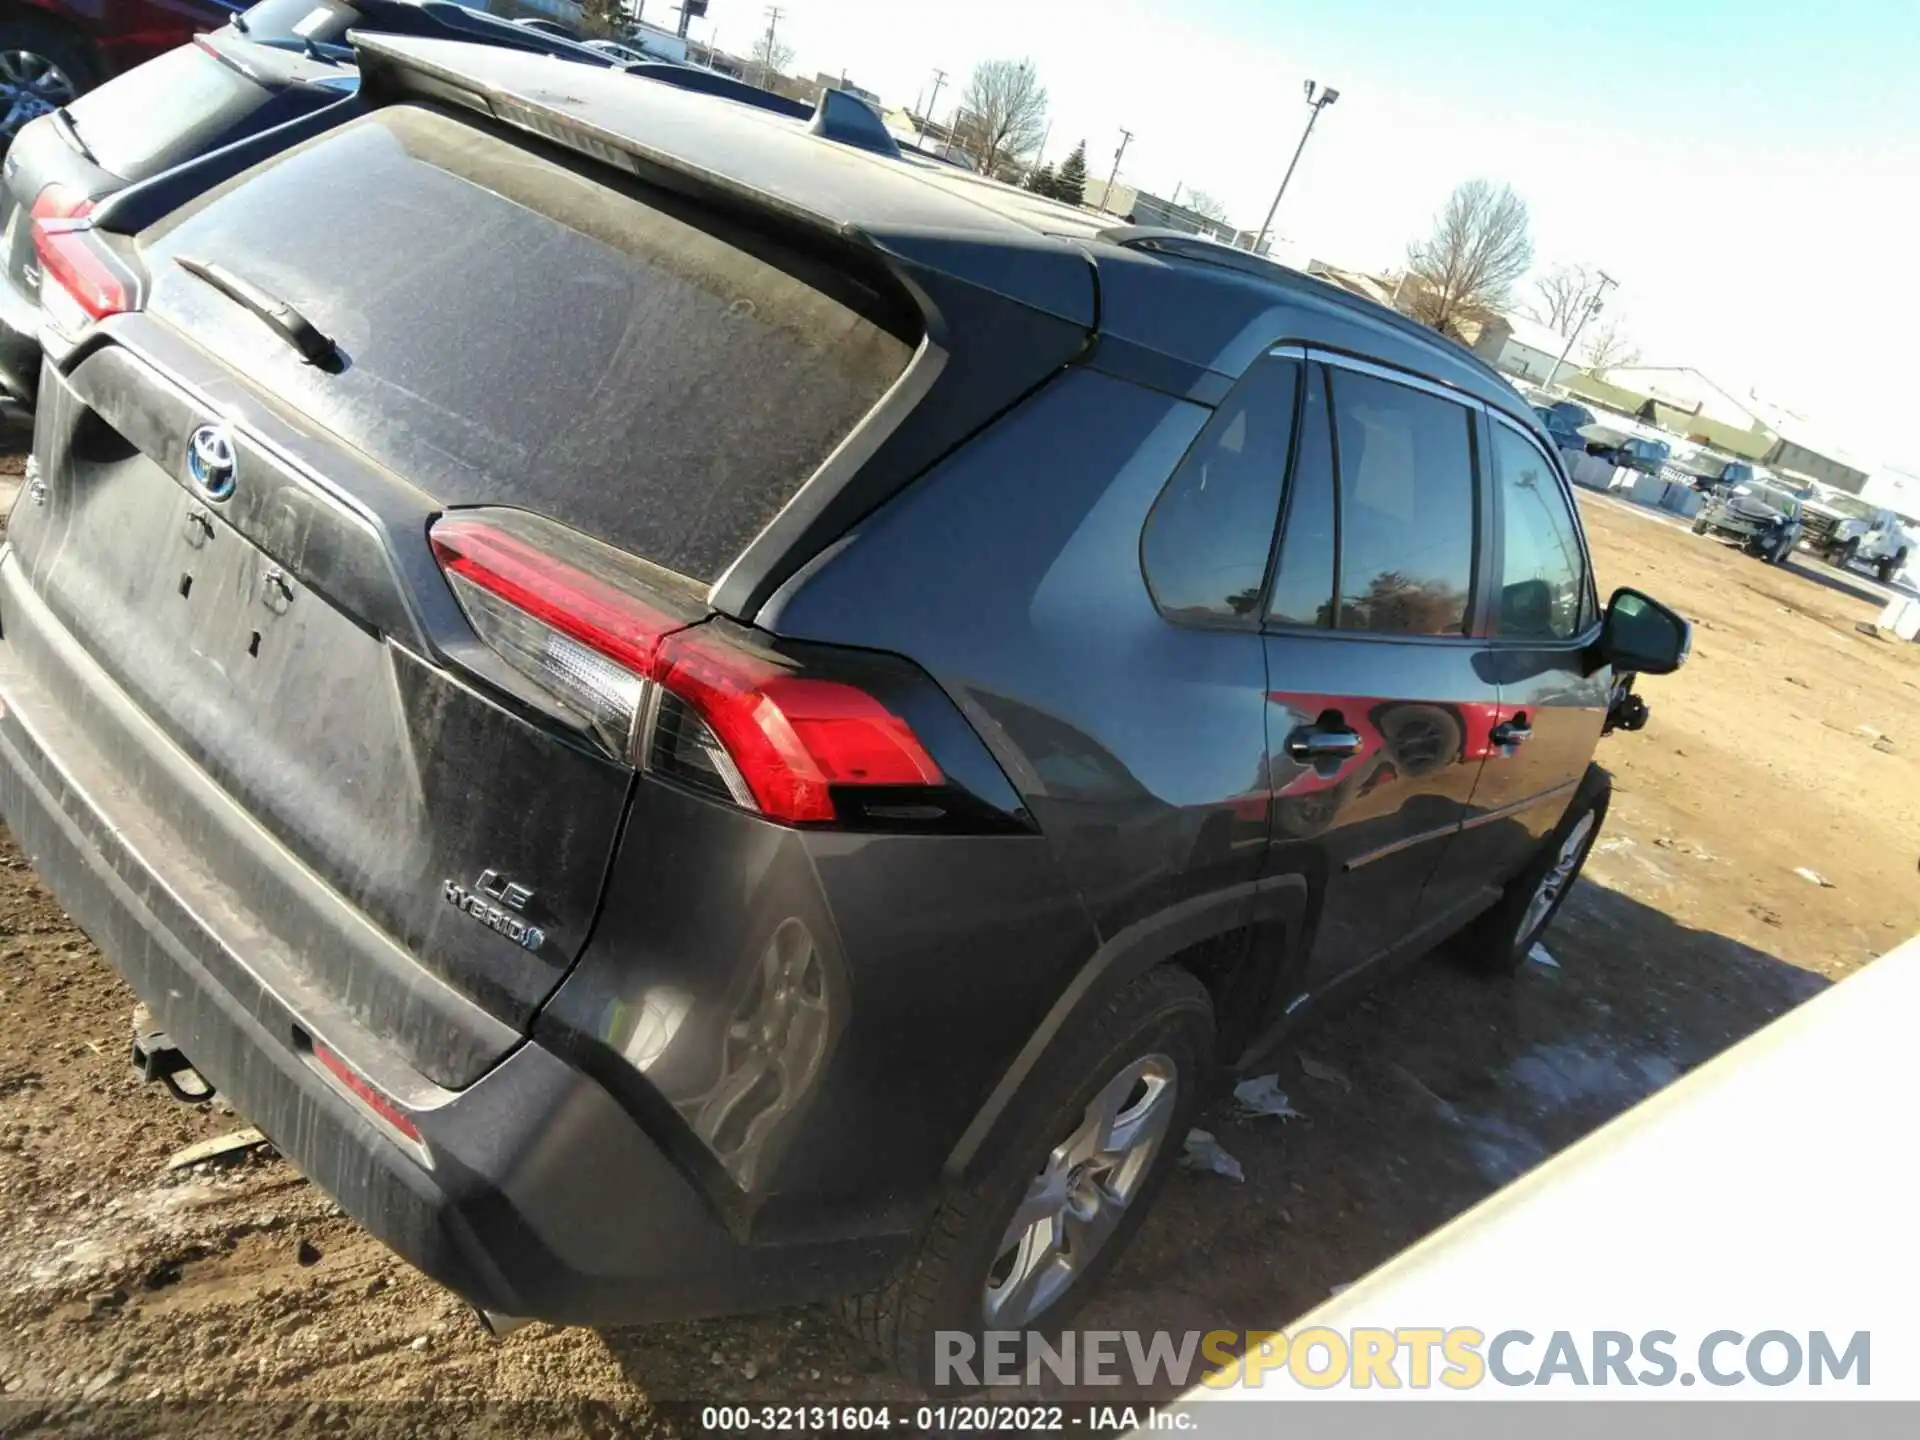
column 537, row 1194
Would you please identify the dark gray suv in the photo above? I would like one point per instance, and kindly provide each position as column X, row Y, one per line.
column 691, row 718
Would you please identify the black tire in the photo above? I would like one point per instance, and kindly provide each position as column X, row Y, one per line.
column 74, row 58
column 942, row 1285
column 1890, row 567
column 1699, row 527
column 1843, row 557
column 1495, row 944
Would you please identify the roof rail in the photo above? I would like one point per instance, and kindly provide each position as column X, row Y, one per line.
column 851, row 121
column 1195, row 247
column 1184, row 246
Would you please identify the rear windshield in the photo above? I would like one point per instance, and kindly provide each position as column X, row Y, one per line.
column 521, row 330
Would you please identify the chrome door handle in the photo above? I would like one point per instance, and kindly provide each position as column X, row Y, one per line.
column 1512, row 732
column 1310, row 743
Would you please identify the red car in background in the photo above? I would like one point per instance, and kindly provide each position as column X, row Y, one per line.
column 53, row 50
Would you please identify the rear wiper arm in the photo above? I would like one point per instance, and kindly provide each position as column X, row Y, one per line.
column 71, row 132
column 288, row 323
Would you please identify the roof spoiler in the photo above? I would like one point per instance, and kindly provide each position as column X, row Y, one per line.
column 840, row 116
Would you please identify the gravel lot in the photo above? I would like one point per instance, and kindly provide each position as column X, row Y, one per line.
column 1789, row 741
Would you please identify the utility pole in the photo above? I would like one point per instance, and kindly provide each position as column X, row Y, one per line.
column 774, row 12
column 1592, row 308
column 1314, row 107
column 939, row 79
column 1106, row 199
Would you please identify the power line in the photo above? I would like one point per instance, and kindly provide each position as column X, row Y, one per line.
column 1106, row 199
column 939, row 79
column 1587, row 312
column 774, row 14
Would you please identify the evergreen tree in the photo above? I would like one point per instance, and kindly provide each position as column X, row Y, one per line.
column 1043, row 181
column 1070, row 184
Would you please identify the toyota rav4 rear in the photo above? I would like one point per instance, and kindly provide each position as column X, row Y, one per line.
column 585, row 651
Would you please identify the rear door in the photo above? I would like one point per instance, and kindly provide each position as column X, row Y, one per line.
column 1379, row 696
column 1553, row 698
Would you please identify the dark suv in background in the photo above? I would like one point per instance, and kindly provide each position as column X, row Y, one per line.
column 692, row 718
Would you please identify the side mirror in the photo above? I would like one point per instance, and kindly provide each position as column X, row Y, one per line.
column 1643, row 636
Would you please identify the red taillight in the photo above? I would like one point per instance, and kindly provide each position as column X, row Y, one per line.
column 759, row 731
column 588, row 609
column 791, row 736
column 363, row 1091
column 72, row 259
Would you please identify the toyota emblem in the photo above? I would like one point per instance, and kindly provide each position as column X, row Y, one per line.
column 210, row 461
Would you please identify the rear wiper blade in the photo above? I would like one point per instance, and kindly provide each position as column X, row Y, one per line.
column 288, row 323
column 71, row 133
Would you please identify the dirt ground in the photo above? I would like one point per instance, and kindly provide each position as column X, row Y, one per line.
column 1788, row 741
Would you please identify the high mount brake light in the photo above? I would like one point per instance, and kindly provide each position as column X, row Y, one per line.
column 733, row 722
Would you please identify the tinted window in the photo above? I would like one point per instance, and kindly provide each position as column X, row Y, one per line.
column 1406, row 508
column 1206, row 543
column 1542, row 575
column 1303, row 581
column 528, row 334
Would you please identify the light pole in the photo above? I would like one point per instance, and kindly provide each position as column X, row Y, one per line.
column 1588, row 311
column 1314, row 107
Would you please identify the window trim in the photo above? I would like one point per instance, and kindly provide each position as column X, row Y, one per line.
column 1586, row 636
column 1308, row 367
column 1478, row 615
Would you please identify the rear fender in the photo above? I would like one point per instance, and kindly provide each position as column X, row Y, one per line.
column 1275, row 907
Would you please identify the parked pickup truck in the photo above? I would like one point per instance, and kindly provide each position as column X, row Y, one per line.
column 1844, row 530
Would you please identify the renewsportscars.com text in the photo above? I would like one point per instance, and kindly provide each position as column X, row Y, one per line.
column 1416, row 1358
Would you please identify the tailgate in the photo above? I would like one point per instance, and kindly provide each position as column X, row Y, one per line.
column 239, row 538
column 269, row 640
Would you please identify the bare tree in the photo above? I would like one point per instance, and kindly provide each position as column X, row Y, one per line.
column 1003, row 115
column 1211, row 206
column 1479, row 248
column 1562, row 295
column 1609, row 347
column 771, row 54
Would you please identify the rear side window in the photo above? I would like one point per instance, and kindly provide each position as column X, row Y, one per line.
column 1206, row 543
column 1406, row 508
column 1543, row 576
column 523, row 330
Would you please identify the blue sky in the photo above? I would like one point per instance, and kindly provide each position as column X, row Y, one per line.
column 1750, row 172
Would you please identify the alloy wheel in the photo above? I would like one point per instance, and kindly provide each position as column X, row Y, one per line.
column 30, row 86
column 1076, row 1202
